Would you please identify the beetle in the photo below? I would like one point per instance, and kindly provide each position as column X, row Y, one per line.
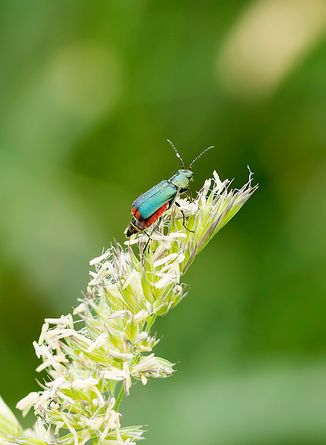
column 152, row 205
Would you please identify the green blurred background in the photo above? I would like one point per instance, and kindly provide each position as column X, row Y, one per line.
column 89, row 93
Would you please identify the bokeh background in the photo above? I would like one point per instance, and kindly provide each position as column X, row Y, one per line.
column 90, row 90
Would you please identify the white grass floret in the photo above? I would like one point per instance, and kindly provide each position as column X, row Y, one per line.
column 93, row 358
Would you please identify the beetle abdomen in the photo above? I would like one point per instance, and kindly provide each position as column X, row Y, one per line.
column 138, row 224
column 136, row 213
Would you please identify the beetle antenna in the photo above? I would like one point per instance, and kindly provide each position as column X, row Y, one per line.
column 200, row 155
column 177, row 153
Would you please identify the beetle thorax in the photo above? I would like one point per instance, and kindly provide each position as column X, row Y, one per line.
column 181, row 178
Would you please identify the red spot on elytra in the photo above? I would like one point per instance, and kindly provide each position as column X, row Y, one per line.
column 135, row 212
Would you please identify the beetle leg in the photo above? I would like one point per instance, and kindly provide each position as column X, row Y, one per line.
column 183, row 218
column 147, row 242
column 144, row 249
column 150, row 236
column 146, row 245
column 189, row 195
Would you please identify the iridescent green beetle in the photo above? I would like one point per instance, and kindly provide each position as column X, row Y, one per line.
column 150, row 206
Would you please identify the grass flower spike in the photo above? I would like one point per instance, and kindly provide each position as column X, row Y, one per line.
column 93, row 356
